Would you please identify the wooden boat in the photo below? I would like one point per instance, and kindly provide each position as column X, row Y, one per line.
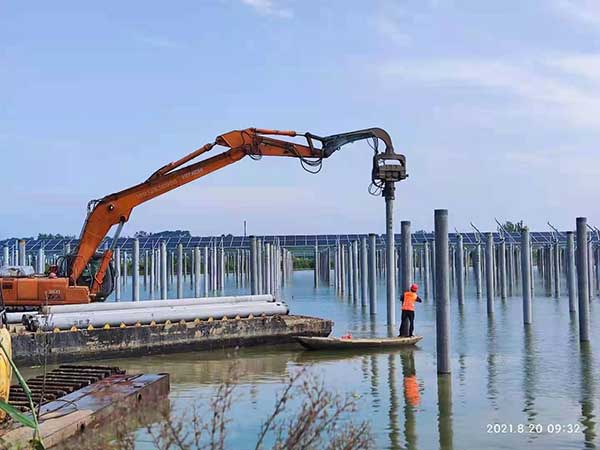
column 332, row 343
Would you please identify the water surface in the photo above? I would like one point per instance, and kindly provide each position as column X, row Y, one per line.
column 538, row 380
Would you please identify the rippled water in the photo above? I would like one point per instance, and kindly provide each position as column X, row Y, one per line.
column 532, row 380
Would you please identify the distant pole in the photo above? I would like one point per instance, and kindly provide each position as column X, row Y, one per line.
column 343, row 274
column 268, row 272
column 427, row 268
column 244, row 228
column 197, row 264
column 163, row 271
column 509, row 269
column 22, row 252
column 125, row 267
column 477, row 270
column 205, row 255
column 135, row 271
column 372, row 274
column 6, row 256
column 433, row 274
column 350, row 271
column 502, row 264
column 259, row 266
column 556, row 255
column 253, row 266
column 388, row 193
column 222, row 268
column 442, row 291
column 526, row 276
column 117, row 259
column 41, row 266
column 531, row 272
column 460, row 270
column 364, row 282
column 405, row 255
column 338, row 269
column 571, row 270
column 146, row 266
column 489, row 272
column 316, row 271
column 180, row 271
column 590, row 265
column 356, row 271
column 582, row 280
column 151, row 272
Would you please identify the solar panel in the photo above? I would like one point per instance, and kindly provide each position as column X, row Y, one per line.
column 57, row 246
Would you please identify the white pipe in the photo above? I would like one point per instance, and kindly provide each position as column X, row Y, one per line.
column 145, row 316
column 111, row 306
column 15, row 317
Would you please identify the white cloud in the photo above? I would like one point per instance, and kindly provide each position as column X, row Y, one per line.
column 395, row 21
column 535, row 83
column 586, row 11
column 391, row 28
column 581, row 168
column 269, row 8
column 584, row 66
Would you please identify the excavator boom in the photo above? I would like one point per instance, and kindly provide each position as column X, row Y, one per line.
column 116, row 208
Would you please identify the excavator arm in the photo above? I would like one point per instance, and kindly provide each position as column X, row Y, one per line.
column 115, row 209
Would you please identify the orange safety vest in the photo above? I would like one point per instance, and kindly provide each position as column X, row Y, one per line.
column 410, row 298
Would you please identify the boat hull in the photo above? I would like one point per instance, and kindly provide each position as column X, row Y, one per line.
column 329, row 343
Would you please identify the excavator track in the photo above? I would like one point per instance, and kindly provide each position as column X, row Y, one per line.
column 59, row 382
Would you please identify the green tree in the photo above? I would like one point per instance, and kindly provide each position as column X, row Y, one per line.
column 514, row 227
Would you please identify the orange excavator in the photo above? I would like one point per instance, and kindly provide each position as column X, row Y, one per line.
column 87, row 275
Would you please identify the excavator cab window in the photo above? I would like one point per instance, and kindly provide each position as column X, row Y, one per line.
column 89, row 272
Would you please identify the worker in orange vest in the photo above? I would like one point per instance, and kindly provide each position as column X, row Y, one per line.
column 409, row 298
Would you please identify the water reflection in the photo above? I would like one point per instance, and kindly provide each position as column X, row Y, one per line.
column 393, row 410
column 461, row 326
column 587, row 395
column 446, row 437
column 462, row 375
column 412, row 398
column 364, row 366
column 492, row 391
column 203, row 368
column 529, row 375
column 375, row 382
column 526, row 372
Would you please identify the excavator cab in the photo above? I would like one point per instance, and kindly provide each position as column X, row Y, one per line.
column 89, row 272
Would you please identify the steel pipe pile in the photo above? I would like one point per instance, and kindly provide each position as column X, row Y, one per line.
column 17, row 317
column 59, row 309
column 158, row 314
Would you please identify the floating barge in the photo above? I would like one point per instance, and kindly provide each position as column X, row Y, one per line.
column 93, row 397
column 116, row 342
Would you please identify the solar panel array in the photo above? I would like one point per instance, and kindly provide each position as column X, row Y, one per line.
column 288, row 241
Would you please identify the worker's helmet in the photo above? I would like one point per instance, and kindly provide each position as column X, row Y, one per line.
column 414, row 287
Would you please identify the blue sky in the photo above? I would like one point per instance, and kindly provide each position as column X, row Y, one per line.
column 496, row 106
